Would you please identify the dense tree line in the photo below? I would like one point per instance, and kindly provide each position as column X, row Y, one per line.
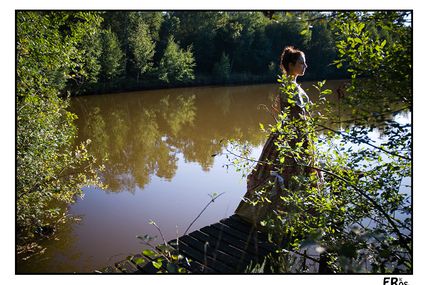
column 140, row 49
column 132, row 50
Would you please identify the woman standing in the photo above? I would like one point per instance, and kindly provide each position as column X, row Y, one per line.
column 273, row 174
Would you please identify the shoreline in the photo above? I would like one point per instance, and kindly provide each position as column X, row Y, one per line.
column 124, row 85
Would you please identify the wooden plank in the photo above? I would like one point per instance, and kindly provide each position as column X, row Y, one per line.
column 240, row 227
column 239, row 254
column 244, row 236
column 241, row 231
column 146, row 266
column 241, row 224
column 214, row 263
column 236, row 217
column 237, row 223
column 212, row 252
column 244, row 228
column 260, row 247
column 194, row 266
column 198, row 265
column 109, row 269
column 127, row 267
column 219, row 234
column 139, row 259
column 194, row 254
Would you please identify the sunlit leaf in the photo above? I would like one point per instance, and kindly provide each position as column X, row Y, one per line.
column 157, row 264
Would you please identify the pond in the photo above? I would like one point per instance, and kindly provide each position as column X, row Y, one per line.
column 161, row 165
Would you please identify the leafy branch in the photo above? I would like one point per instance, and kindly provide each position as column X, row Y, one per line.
column 365, row 142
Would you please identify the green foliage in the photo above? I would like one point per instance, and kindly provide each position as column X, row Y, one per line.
column 176, row 64
column 143, row 48
column 378, row 47
column 165, row 258
column 89, row 47
column 378, row 171
column 200, row 29
column 250, row 40
column 51, row 167
column 321, row 51
column 222, row 68
column 351, row 213
column 54, row 48
column 112, row 58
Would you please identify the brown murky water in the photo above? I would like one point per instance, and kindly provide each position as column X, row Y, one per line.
column 160, row 167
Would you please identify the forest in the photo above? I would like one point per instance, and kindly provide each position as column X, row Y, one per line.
column 131, row 50
column 61, row 54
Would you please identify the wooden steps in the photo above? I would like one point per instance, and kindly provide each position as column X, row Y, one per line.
column 228, row 246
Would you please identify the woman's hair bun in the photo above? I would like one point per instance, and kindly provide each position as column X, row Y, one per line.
column 290, row 54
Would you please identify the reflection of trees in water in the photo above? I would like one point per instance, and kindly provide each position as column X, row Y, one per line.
column 178, row 115
column 118, row 131
column 95, row 125
column 223, row 102
column 142, row 135
column 59, row 255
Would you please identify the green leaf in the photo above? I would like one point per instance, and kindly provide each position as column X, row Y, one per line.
column 149, row 253
column 139, row 260
column 326, row 92
column 157, row 264
column 361, row 26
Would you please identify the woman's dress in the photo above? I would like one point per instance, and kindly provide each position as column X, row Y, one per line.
column 267, row 170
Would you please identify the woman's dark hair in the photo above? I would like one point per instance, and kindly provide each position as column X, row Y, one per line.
column 289, row 55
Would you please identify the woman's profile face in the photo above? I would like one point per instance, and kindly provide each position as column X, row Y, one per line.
column 299, row 67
